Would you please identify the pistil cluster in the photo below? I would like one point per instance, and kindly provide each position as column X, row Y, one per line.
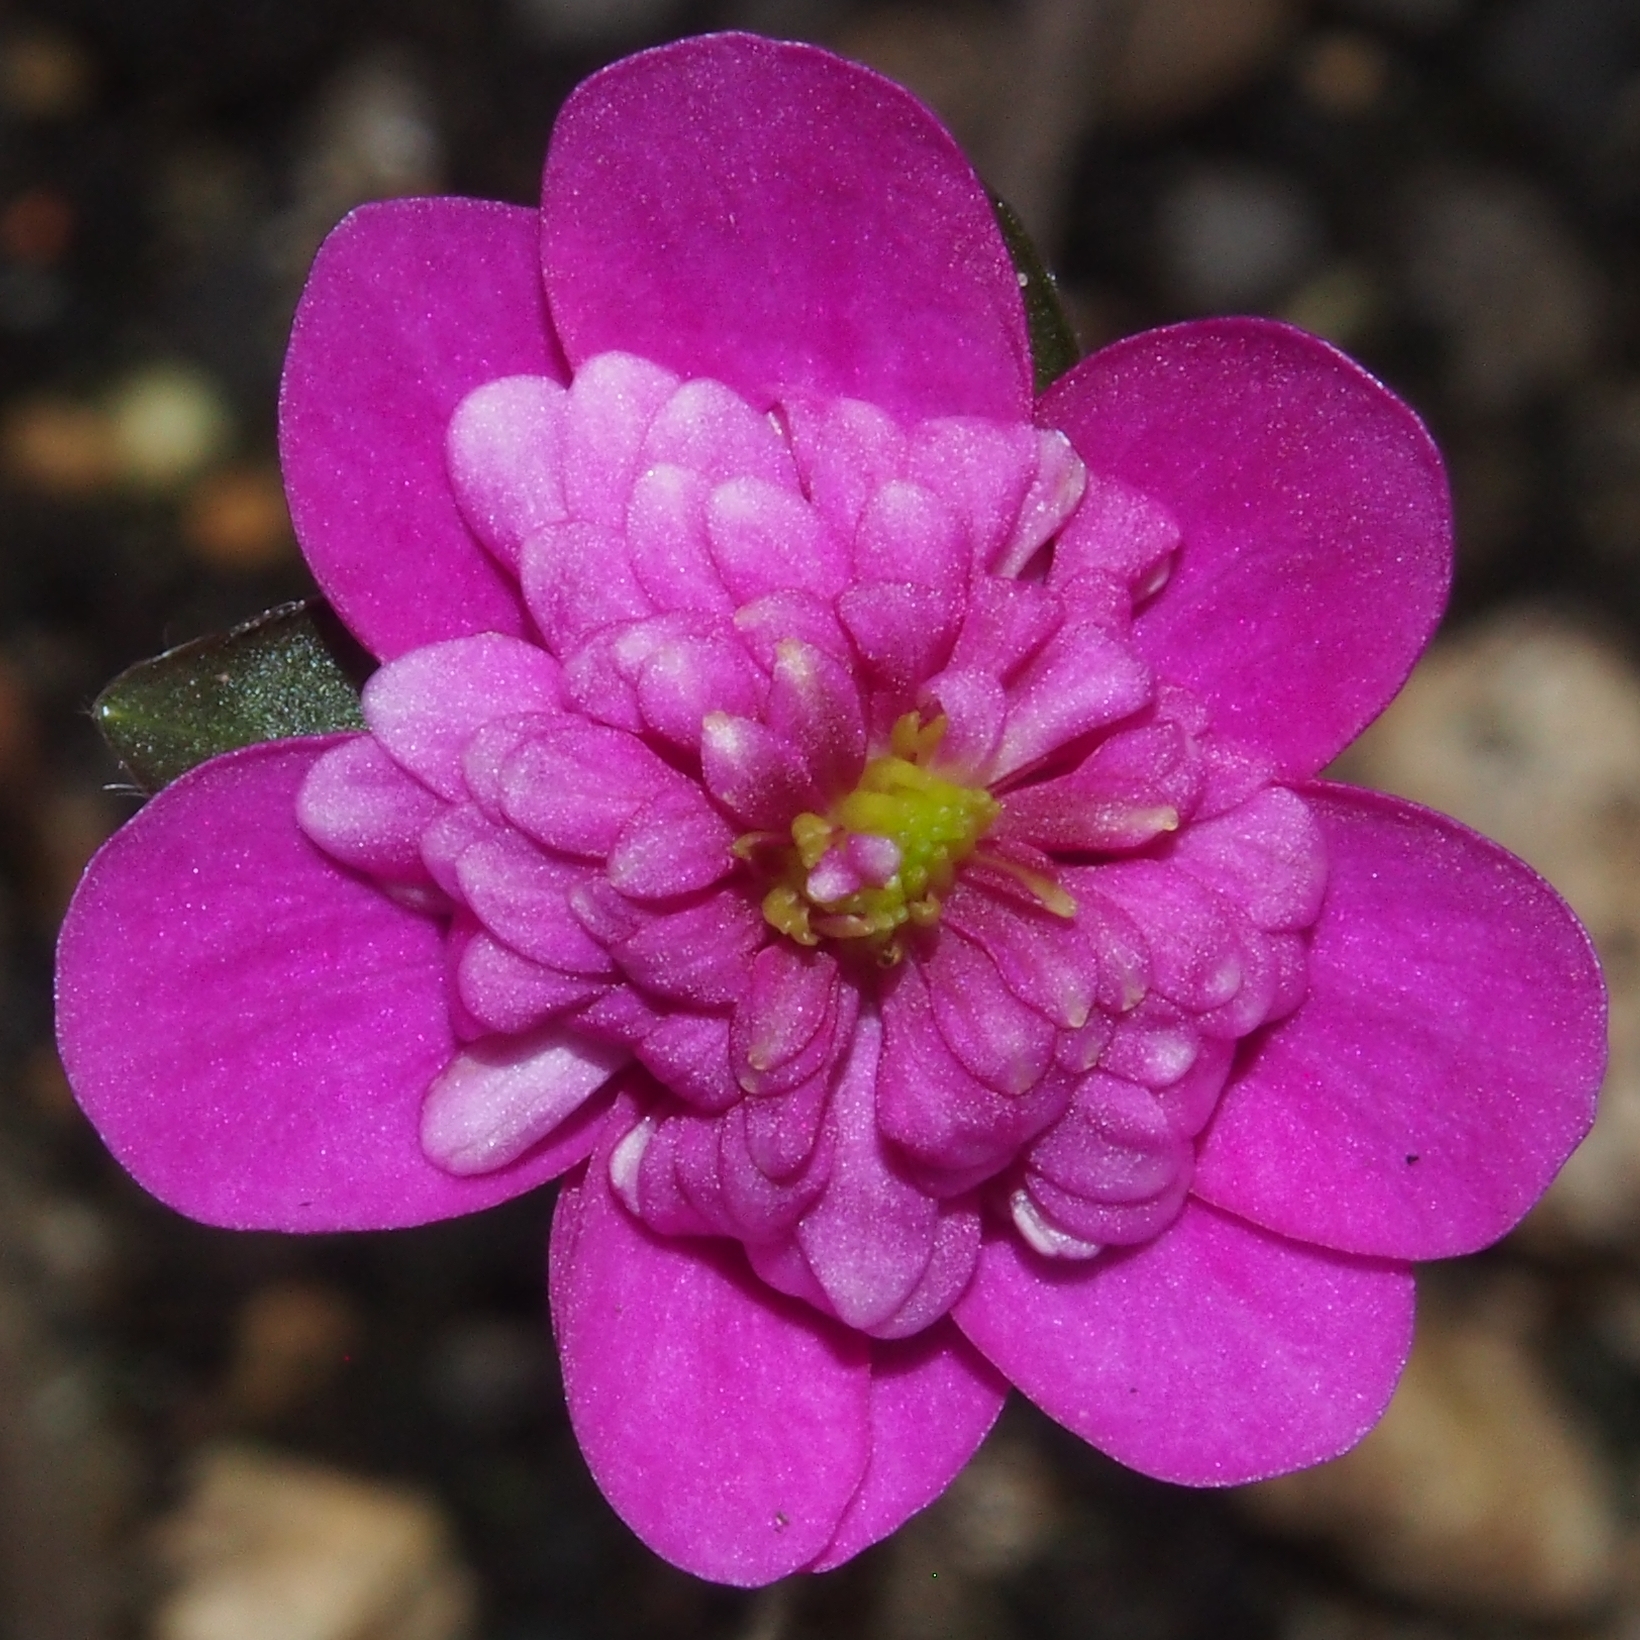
column 881, row 860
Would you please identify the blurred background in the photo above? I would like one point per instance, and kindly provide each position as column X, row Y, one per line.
column 207, row 1436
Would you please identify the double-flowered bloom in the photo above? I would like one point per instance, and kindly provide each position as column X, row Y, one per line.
column 858, row 825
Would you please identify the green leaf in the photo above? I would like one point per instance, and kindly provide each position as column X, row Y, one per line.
column 292, row 671
column 1053, row 342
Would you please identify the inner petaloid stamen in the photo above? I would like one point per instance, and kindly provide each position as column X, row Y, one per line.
column 882, row 858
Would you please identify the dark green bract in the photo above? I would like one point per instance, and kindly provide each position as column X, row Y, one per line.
column 1053, row 342
column 292, row 671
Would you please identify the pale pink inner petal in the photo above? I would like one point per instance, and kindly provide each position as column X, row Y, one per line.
column 667, row 541
column 1267, row 854
column 361, row 808
column 682, row 679
column 505, row 992
column 712, row 431
column 871, row 1236
column 505, row 451
column 909, row 533
column 1056, row 489
column 576, row 789
column 815, row 703
column 981, row 469
column 1080, row 682
column 673, row 845
column 901, row 630
column 766, row 539
column 426, row 706
column 846, row 451
column 1116, row 529
column 499, row 1097
column 759, row 775
column 577, row 581
column 612, row 401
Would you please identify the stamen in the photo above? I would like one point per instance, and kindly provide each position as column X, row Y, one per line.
column 882, row 858
column 1049, row 895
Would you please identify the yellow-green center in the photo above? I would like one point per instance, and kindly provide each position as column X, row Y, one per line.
column 934, row 824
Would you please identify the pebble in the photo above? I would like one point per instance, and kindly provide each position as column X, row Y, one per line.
column 1341, row 302
column 1182, row 56
column 168, row 422
column 59, row 447
column 1491, row 265
column 374, row 134
column 235, row 519
column 44, row 75
column 37, row 227
column 1527, row 727
column 1477, row 1491
column 1343, row 73
column 292, row 1340
column 267, row 1547
column 1233, row 236
column 489, row 1374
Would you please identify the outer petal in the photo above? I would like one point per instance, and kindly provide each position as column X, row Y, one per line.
column 933, row 1400
column 1445, row 1062
column 250, row 1027
column 726, row 1423
column 1316, row 525
column 410, row 305
column 1212, row 1355
column 693, row 214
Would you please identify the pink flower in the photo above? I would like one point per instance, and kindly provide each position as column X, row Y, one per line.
column 861, row 828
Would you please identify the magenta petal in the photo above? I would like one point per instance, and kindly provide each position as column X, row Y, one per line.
column 411, row 304
column 252, row 1028
column 691, row 216
column 1445, row 1062
column 1213, row 1355
column 1314, row 514
column 933, row 1400
column 727, row 1424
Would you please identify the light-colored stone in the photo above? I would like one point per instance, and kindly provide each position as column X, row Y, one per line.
column 1528, row 729
column 266, row 1547
column 1476, row 1491
column 169, row 422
